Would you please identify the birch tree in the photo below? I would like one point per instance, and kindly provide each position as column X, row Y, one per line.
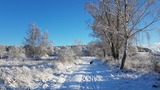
column 36, row 43
column 125, row 19
column 134, row 19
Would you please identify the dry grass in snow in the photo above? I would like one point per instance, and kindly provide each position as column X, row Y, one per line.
column 31, row 74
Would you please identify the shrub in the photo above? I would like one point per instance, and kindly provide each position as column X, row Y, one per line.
column 2, row 51
column 67, row 55
column 35, row 52
column 16, row 52
column 50, row 50
column 111, row 62
column 77, row 50
column 156, row 65
column 140, row 62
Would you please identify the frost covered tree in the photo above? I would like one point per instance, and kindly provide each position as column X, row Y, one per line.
column 78, row 42
column 66, row 54
column 121, row 20
column 77, row 50
column 104, row 26
column 97, row 48
column 36, row 42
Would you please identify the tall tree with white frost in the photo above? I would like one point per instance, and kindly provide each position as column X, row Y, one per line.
column 105, row 25
column 123, row 19
column 36, row 43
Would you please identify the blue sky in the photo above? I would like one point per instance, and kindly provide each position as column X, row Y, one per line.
column 65, row 20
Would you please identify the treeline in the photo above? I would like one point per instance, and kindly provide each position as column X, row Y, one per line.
column 92, row 49
column 21, row 51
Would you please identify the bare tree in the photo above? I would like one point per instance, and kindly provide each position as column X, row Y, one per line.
column 106, row 25
column 130, row 17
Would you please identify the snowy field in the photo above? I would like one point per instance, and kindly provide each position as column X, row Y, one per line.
column 55, row 75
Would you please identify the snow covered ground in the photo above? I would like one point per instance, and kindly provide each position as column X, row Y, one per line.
column 101, row 77
column 55, row 75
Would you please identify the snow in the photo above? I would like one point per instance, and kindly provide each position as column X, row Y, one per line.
column 52, row 74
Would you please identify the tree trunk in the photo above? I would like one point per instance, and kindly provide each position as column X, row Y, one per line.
column 117, row 54
column 113, row 51
column 104, row 53
column 124, row 55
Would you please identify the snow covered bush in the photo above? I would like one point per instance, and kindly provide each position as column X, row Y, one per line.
column 111, row 62
column 2, row 51
column 156, row 62
column 140, row 62
column 132, row 50
column 95, row 49
column 67, row 55
column 101, row 50
column 77, row 50
column 25, row 75
column 50, row 50
column 56, row 50
column 16, row 52
column 156, row 65
column 35, row 52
